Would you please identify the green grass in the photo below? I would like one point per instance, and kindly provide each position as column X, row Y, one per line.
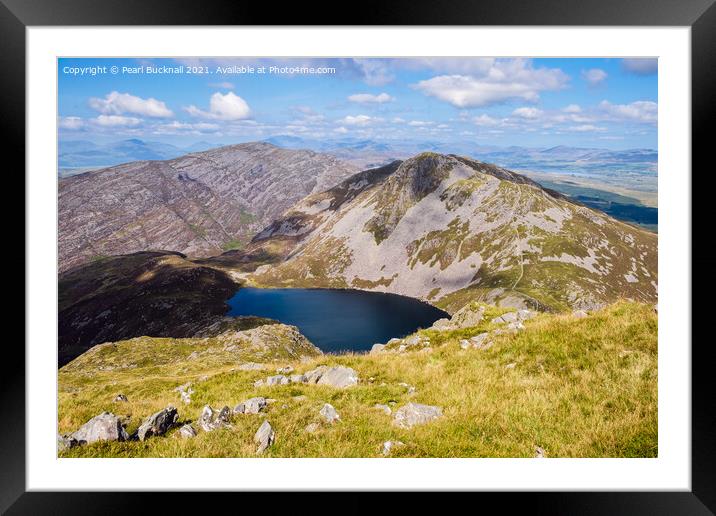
column 234, row 243
column 580, row 388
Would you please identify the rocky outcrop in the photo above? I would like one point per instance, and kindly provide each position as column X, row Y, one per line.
column 389, row 445
column 65, row 442
column 513, row 317
column 251, row 406
column 413, row 414
column 211, row 419
column 185, row 391
column 329, row 413
column 158, row 423
column 265, row 437
column 104, row 427
column 467, row 317
column 187, row 432
column 339, row 377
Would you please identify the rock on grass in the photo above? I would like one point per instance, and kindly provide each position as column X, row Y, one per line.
column 104, row 427
column 264, row 437
column 158, row 423
column 416, row 414
column 329, row 413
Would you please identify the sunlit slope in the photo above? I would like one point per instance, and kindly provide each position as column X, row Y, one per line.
column 569, row 384
column 449, row 230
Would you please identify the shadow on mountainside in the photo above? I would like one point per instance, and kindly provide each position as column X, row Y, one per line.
column 159, row 294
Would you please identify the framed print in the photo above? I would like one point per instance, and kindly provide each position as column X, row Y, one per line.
column 423, row 254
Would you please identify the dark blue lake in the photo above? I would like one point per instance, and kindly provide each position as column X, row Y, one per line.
column 338, row 320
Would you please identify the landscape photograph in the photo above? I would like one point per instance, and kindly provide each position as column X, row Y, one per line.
column 293, row 257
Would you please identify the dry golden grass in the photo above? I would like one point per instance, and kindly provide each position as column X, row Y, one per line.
column 579, row 388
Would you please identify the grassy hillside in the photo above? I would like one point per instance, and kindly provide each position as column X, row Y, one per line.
column 576, row 387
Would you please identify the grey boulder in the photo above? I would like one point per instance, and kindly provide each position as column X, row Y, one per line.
column 211, row 419
column 339, row 377
column 158, row 423
column 187, row 432
column 413, row 414
column 104, row 427
column 329, row 413
column 120, row 398
column 377, row 348
column 383, row 408
column 389, row 445
column 251, row 406
column 312, row 428
column 65, row 442
column 264, row 437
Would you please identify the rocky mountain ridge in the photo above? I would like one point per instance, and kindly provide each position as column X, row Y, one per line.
column 199, row 204
column 449, row 229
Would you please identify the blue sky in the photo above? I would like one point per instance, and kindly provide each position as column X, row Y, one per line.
column 606, row 103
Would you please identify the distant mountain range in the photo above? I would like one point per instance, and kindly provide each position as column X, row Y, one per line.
column 560, row 158
column 83, row 154
column 78, row 155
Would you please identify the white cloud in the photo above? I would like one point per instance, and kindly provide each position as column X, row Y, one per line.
column 227, row 106
column 341, row 130
column 419, row 123
column 117, row 121
column 222, row 85
column 71, row 122
column 572, row 108
column 485, row 120
column 375, row 72
column 586, row 128
column 357, row 120
column 116, row 103
column 640, row 66
column 640, row 111
column 528, row 113
column 451, row 65
column 594, row 76
column 503, row 80
column 177, row 127
column 367, row 98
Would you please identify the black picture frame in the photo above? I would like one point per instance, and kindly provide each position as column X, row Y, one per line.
column 700, row 15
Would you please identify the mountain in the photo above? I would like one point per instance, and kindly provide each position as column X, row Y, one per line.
column 615, row 169
column 198, row 204
column 162, row 294
column 449, row 230
column 83, row 154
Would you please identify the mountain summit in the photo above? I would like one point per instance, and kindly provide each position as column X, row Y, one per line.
column 449, row 229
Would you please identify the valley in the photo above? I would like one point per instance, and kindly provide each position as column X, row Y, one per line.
column 371, row 314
